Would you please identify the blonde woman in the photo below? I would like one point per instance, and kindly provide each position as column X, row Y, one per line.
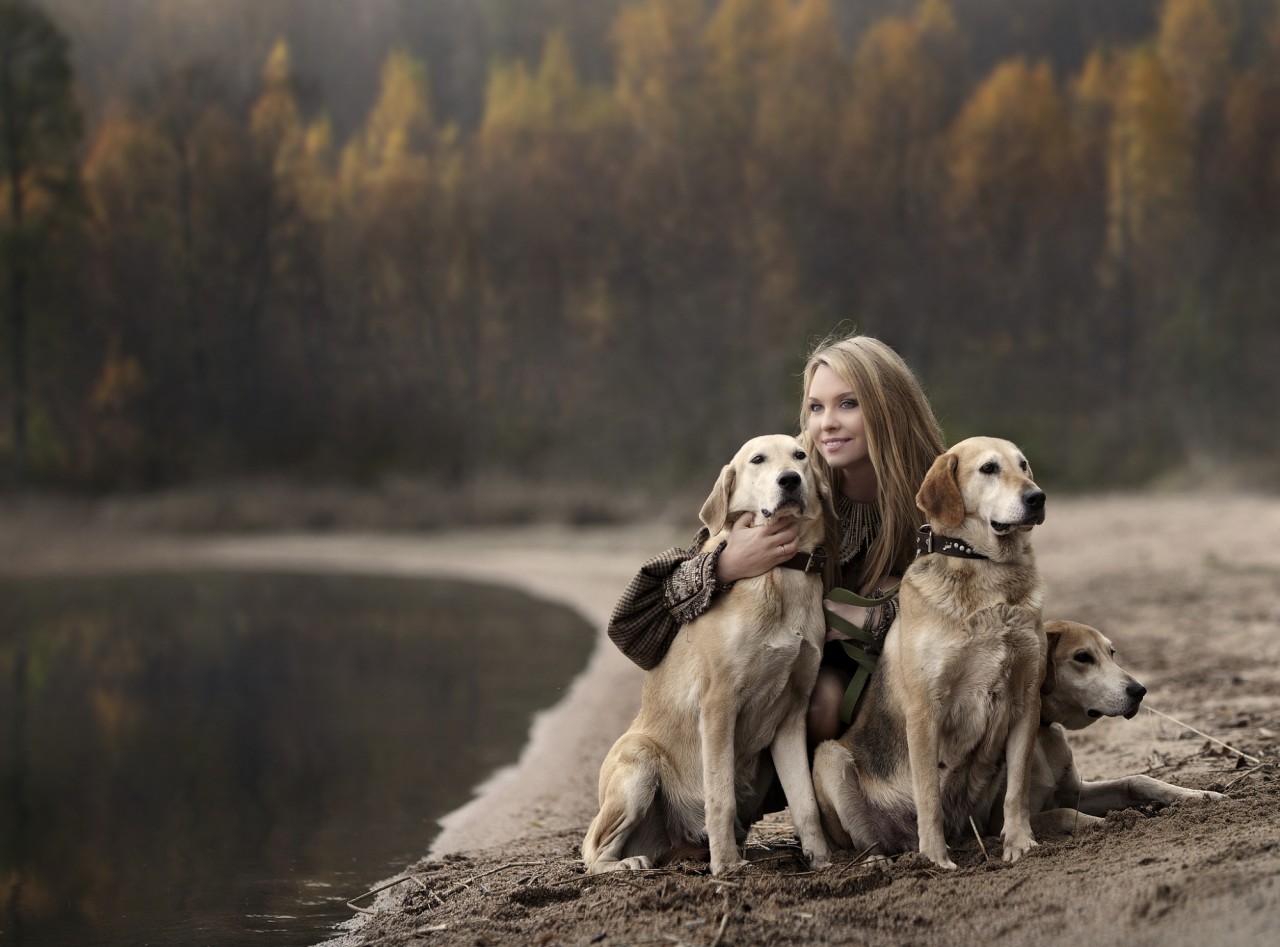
column 870, row 431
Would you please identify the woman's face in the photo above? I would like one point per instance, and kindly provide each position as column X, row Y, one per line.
column 835, row 421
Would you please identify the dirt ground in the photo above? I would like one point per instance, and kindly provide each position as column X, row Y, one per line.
column 1186, row 586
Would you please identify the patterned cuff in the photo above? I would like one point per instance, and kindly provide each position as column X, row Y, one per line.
column 689, row 588
column 886, row 614
column 713, row 557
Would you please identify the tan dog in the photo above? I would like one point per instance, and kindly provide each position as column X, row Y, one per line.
column 735, row 682
column 956, row 691
column 1083, row 684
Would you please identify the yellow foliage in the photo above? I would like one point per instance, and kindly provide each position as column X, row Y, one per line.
column 119, row 382
column 906, row 87
column 129, row 174
column 1150, row 171
column 391, row 152
column 1009, row 152
column 798, row 102
column 1194, row 46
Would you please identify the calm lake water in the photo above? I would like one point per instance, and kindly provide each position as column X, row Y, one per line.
column 227, row 759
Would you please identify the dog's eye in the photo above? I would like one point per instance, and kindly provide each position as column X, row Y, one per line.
column 989, row 467
column 800, row 455
column 758, row 459
column 1084, row 657
column 1022, row 465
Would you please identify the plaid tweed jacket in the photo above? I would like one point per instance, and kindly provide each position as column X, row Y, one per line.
column 671, row 589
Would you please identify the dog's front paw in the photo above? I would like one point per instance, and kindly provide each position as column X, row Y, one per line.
column 938, row 855
column 1208, row 795
column 819, row 856
column 1017, row 844
column 727, row 866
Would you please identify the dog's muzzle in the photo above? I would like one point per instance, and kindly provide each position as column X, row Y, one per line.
column 1133, row 692
column 790, row 494
column 1033, row 513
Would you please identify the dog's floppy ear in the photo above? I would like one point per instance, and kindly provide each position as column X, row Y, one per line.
column 1050, row 671
column 939, row 496
column 716, row 510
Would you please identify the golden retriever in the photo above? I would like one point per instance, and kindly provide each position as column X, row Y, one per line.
column 956, row 691
column 735, row 682
column 1083, row 684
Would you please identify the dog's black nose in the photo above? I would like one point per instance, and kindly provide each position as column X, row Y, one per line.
column 789, row 480
column 1034, row 500
column 1136, row 691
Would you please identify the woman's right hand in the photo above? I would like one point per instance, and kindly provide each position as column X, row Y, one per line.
column 754, row 550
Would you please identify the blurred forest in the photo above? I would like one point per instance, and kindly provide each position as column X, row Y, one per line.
column 594, row 238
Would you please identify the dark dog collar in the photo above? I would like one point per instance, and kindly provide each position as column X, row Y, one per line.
column 814, row 561
column 927, row 542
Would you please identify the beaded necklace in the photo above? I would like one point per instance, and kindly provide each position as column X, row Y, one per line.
column 859, row 524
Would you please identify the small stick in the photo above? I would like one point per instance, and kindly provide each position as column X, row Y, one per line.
column 390, row 884
column 1246, row 756
column 978, row 836
column 439, row 898
column 1249, row 772
column 723, row 922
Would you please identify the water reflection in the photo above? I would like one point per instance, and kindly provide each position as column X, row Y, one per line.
column 225, row 759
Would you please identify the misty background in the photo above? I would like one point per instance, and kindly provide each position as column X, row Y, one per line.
column 592, row 240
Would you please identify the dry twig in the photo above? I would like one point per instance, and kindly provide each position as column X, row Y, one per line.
column 439, row 898
column 1187, row 726
column 724, row 920
column 1249, row 772
column 978, row 835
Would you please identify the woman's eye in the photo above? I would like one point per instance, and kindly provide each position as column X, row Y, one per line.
column 1084, row 657
column 989, row 467
column 849, row 405
column 758, row 459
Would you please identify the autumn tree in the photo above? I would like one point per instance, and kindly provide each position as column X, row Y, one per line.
column 542, row 200
column 1194, row 46
column 796, row 134
column 296, row 158
column 1009, row 196
column 889, row 170
column 392, row 202
column 1150, row 207
column 39, row 134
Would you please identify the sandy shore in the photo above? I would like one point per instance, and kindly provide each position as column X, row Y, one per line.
column 1191, row 600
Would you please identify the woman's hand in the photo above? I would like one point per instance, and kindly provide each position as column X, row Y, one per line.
column 754, row 550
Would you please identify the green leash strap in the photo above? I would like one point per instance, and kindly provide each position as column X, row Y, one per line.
column 858, row 683
column 855, row 649
column 845, row 597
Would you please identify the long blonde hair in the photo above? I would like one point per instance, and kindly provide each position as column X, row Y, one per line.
column 903, row 438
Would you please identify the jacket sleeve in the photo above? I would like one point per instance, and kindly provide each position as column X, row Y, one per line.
column 671, row 589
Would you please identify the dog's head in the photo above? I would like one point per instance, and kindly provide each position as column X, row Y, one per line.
column 985, row 485
column 1083, row 683
column 769, row 476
